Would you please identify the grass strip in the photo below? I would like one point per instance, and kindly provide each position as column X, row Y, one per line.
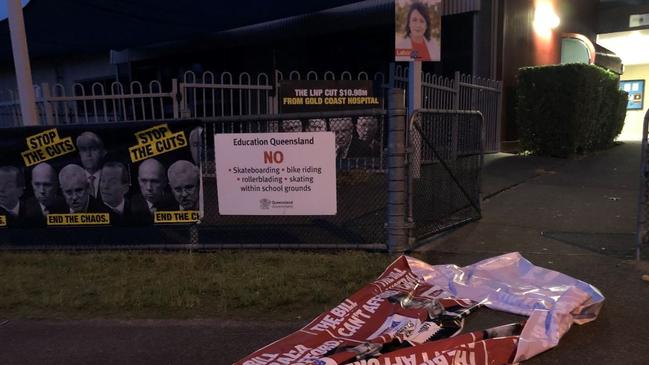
column 276, row 285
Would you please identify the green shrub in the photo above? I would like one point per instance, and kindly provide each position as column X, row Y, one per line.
column 567, row 109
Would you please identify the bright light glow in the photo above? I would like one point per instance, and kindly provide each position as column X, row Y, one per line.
column 632, row 47
column 545, row 19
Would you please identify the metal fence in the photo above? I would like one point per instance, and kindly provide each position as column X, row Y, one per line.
column 361, row 193
column 444, row 188
column 444, row 145
column 462, row 92
column 360, row 188
column 211, row 95
column 370, row 182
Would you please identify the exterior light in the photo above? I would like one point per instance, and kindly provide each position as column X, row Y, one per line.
column 545, row 19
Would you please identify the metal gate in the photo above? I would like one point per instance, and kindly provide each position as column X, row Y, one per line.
column 462, row 92
column 445, row 165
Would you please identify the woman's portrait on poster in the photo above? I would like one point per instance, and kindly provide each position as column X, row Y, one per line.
column 415, row 41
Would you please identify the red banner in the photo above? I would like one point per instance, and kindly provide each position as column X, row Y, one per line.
column 412, row 315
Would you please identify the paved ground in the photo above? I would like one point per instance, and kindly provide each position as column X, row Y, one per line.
column 576, row 216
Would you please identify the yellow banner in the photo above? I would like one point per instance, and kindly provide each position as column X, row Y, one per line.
column 47, row 152
column 78, row 219
column 152, row 134
column 42, row 139
column 3, row 220
column 156, row 141
column 177, row 216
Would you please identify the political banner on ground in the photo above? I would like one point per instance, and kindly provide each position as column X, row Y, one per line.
column 126, row 174
column 414, row 314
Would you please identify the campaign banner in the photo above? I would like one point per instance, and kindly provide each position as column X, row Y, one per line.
column 414, row 313
column 276, row 173
column 418, row 28
column 301, row 96
column 123, row 174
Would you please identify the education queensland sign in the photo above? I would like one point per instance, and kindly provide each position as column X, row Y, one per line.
column 276, row 173
column 126, row 174
column 299, row 96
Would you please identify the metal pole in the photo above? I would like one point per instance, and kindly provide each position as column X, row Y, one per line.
column 456, row 119
column 49, row 118
column 414, row 103
column 21, row 63
column 414, row 86
column 641, row 225
column 397, row 197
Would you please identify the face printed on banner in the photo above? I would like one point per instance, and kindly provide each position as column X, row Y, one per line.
column 11, row 188
column 74, row 186
column 366, row 128
column 195, row 143
column 184, row 182
column 152, row 180
column 417, row 24
column 44, row 184
column 344, row 129
column 91, row 151
column 316, row 125
column 292, row 126
column 114, row 183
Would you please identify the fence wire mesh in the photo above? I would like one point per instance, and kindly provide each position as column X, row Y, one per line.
column 360, row 182
column 444, row 178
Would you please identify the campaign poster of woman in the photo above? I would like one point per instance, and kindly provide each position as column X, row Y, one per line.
column 417, row 30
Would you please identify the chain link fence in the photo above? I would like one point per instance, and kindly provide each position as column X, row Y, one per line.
column 361, row 195
column 360, row 184
column 443, row 155
column 444, row 179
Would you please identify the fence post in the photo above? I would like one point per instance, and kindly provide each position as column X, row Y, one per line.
column 392, row 70
column 397, row 197
column 47, row 104
column 275, row 98
column 175, row 98
column 193, row 235
column 415, row 102
column 183, row 109
column 499, row 107
column 456, row 107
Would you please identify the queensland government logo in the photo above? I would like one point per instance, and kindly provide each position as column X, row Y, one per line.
column 264, row 203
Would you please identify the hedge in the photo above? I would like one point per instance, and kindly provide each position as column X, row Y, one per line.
column 567, row 109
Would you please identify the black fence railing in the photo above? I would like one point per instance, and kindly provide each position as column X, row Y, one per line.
column 443, row 155
column 447, row 148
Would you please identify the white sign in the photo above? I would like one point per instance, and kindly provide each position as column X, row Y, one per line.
column 276, row 173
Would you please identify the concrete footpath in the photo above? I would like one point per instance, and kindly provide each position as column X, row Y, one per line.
column 576, row 216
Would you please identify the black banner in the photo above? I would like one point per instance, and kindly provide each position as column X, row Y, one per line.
column 121, row 175
column 298, row 96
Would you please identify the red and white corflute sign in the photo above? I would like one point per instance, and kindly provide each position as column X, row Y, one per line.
column 276, row 173
column 413, row 314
